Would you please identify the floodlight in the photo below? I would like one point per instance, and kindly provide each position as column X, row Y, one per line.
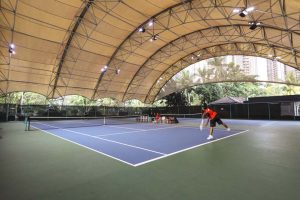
column 142, row 30
column 151, row 22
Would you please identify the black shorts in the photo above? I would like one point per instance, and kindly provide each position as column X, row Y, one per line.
column 215, row 120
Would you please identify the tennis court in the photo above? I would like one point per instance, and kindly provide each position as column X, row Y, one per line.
column 132, row 142
column 106, row 99
column 97, row 161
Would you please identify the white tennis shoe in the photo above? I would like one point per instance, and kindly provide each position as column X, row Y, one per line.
column 210, row 137
column 228, row 129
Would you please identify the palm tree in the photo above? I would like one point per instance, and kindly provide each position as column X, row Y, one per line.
column 185, row 80
column 291, row 79
column 217, row 63
column 205, row 74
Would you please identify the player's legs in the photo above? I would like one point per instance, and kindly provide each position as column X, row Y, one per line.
column 220, row 122
column 225, row 125
column 211, row 130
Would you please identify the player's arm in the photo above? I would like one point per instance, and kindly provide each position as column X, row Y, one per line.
column 207, row 121
column 203, row 116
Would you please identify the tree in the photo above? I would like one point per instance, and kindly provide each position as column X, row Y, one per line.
column 209, row 92
column 33, row 98
column 107, row 102
column 77, row 100
column 220, row 71
column 185, row 80
column 176, row 99
column 290, row 79
column 234, row 72
column 205, row 74
column 134, row 103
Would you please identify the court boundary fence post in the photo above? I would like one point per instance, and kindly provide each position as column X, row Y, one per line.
column 269, row 111
column 248, row 111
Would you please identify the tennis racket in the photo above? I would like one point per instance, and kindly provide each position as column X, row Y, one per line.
column 201, row 125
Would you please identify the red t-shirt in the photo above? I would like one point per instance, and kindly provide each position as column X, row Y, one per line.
column 211, row 114
column 157, row 116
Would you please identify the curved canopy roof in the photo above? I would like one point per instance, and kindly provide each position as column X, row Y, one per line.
column 62, row 45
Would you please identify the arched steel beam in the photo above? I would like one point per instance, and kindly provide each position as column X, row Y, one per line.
column 134, row 31
column 217, row 27
column 65, row 51
column 254, row 51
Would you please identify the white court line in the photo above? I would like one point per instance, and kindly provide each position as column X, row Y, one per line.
column 148, row 161
column 154, row 129
column 86, row 147
column 141, row 130
column 116, row 126
column 107, row 140
column 182, row 150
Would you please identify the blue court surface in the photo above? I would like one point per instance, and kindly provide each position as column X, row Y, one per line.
column 139, row 143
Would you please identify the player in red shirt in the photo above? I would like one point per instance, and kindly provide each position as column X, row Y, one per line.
column 214, row 118
column 157, row 117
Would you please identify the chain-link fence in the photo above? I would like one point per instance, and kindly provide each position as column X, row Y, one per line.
column 274, row 111
column 283, row 110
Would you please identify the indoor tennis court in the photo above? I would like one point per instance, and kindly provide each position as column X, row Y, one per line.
column 259, row 163
column 149, row 99
column 133, row 144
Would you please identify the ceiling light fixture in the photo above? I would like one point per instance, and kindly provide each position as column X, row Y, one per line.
column 11, row 49
column 244, row 12
column 151, row 22
column 142, row 30
column 104, row 69
column 254, row 25
column 154, row 37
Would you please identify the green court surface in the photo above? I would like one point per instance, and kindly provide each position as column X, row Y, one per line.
column 260, row 164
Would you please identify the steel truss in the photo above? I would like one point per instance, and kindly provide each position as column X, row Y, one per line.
column 202, row 14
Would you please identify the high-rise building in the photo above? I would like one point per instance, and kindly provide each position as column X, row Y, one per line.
column 246, row 64
column 254, row 66
column 272, row 70
column 281, row 71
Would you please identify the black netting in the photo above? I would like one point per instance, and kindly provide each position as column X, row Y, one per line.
column 239, row 111
column 234, row 111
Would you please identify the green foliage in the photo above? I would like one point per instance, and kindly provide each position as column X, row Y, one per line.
column 160, row 103
column 107, row 102
column 218, row 71
column 33, row 98
column 209, row 92
column 77, row 100
column 176, row 99
column 134, row 103
column 291, row 79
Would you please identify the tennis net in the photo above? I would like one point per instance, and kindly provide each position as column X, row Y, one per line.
column 46, row 123
column 175, row 118
column 183, row 116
